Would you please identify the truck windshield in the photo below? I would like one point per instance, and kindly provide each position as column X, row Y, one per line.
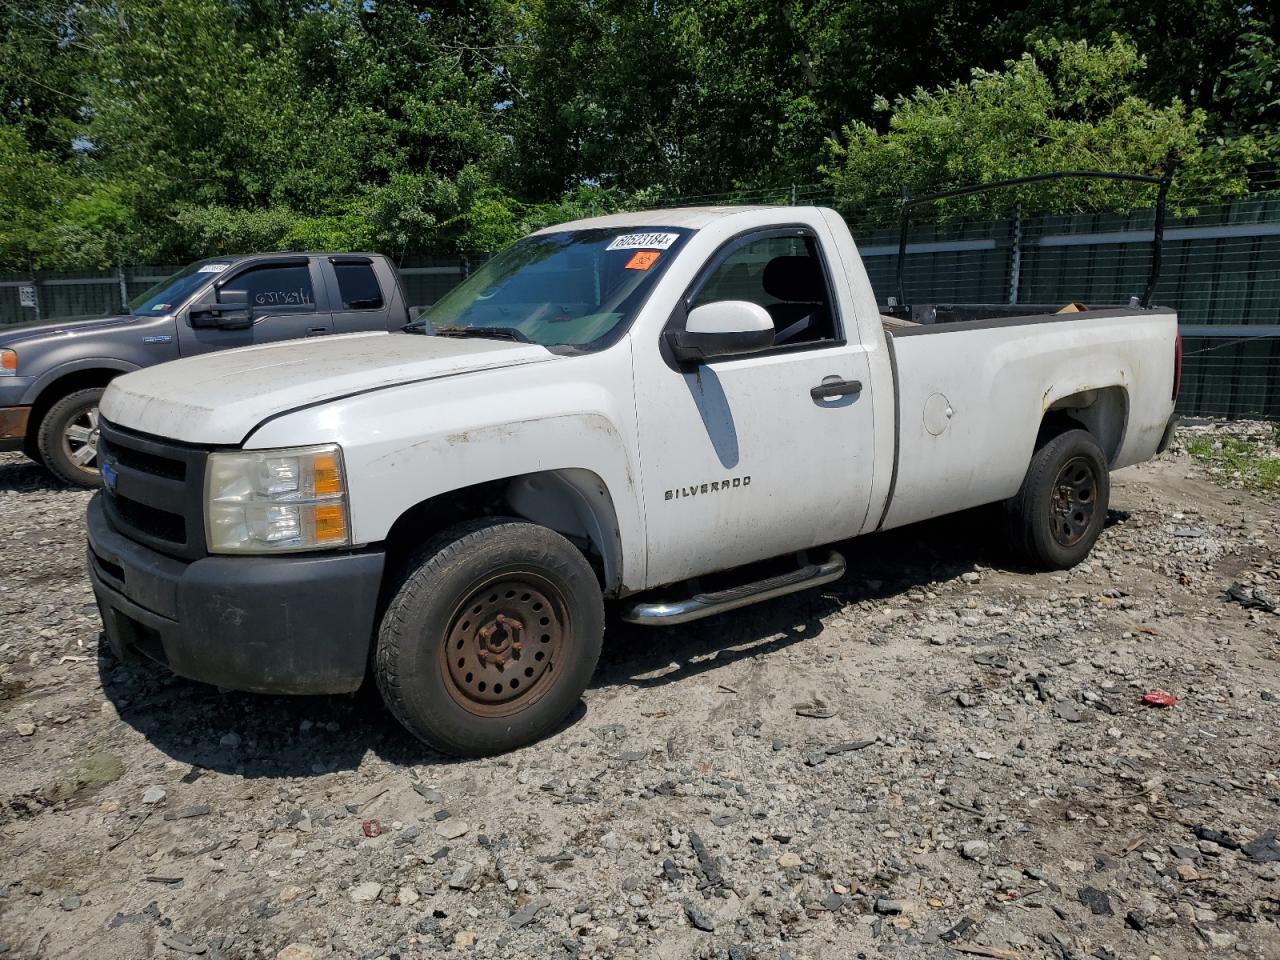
column 167, row 295
column 579, row 289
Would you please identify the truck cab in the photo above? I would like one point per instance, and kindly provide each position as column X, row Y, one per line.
column 53, row 375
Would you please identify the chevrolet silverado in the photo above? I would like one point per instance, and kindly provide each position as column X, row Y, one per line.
column 675, row 411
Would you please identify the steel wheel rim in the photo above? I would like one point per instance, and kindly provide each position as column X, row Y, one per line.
column 80, row 438
column 1073, row 501
column 504, row 644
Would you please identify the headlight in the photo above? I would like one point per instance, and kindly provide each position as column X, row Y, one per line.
column 8, row 363
column 274, row 501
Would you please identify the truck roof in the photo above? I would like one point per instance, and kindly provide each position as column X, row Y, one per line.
column 283, row 254
column 695, row 218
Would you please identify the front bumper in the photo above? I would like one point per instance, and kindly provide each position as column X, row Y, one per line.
column 300, row 624
column 13, row 427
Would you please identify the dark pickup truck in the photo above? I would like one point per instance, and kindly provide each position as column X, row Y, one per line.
column 52, row 375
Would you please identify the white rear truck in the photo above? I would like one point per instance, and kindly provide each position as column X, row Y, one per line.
column 674, row 411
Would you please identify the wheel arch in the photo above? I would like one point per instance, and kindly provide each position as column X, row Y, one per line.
column 67, row 379
column 574, row 502
column 1103, row 411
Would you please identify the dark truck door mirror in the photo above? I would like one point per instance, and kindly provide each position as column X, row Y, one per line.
column 230, row 313
column 727, row 328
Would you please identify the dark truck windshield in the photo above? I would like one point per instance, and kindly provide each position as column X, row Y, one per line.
column 167, row 295
column 578, row 289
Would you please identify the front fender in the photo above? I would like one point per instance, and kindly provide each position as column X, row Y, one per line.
column 56, row 373
column 408, row 444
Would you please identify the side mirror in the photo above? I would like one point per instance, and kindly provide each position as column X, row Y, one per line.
column 728, row 328
column 220, row 316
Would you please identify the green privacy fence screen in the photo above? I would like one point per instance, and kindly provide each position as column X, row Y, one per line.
column 1221, row 271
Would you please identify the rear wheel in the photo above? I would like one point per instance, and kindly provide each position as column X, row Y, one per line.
column 491, row 637
column 1057, row 515
column 67, row 439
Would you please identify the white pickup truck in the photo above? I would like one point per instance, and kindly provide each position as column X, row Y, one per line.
column 674, row 410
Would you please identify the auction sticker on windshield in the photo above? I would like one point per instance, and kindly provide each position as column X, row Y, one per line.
column 213, row 267
column 650, row 241
column 642, row 259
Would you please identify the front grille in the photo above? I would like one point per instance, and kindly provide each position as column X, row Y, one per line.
column 152, row 464
column 152, row 521
column 155, row 490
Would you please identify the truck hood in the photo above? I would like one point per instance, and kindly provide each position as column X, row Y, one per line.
column 220, row 398
column 13, row 334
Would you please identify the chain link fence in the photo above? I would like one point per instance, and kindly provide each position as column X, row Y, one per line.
column 1221, row 271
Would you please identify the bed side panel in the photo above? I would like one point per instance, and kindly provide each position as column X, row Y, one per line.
column 973, row 396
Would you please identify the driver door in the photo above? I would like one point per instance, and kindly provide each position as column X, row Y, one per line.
column 280, row 296
column 740, row 460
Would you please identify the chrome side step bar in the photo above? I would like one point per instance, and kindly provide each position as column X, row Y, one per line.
column 665, row 613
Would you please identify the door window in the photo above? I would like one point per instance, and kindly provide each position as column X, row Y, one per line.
column 358, row 286
column 783, row 274
column 269, row 286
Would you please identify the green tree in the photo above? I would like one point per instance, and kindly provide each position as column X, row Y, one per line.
column 1066, row 106
column 695, row 96
column 41, row 63
column 1191, row 47
column 281, row 126
column 1252, row 87
column 171, row 129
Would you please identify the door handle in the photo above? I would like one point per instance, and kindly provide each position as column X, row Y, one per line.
column 835, row 388
column 317, row 331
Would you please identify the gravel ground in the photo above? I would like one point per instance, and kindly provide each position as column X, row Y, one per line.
column 938, row 757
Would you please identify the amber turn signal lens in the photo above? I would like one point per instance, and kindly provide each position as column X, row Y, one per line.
column 330, row 523
column 328, row 479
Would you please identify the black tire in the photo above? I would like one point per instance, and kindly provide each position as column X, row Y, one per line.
column 1055, row 518
column 59, row 451
column 516, row 610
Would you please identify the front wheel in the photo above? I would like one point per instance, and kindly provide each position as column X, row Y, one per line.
column 1061, row 508
column 491, row 637
column 67, row 440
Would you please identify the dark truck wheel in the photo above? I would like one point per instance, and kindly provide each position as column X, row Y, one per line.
column 491, row 637
column 1055, row 518
column 68, row 438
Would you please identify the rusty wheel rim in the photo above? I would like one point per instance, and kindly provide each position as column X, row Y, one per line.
column 1072, row 503
column 504, row 644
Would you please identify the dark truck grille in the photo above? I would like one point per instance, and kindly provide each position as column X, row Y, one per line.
column 156, row 492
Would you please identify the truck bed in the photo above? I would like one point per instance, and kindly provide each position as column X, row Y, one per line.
column 912, row 315
column 963, row 388
column 929, row 313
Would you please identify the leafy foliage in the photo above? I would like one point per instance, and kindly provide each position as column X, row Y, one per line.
column 1067, row 105
column 164, row 130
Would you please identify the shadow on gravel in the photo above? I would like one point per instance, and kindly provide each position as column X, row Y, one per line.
column 256, row 736
column 881, row 566
column 19, row 474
